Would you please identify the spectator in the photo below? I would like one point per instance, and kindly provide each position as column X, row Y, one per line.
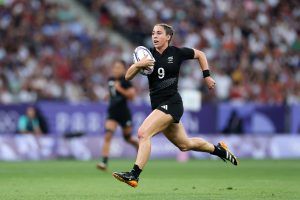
column 30, row 123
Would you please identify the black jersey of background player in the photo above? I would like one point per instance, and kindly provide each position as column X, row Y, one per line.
column 163, row 81
column 117, row 100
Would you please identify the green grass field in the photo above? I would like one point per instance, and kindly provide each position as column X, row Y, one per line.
column 162, row 179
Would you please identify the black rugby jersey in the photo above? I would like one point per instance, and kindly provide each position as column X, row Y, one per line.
column 117, row 100
column 163, row 82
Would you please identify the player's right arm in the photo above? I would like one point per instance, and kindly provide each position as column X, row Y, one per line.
column 136, row 67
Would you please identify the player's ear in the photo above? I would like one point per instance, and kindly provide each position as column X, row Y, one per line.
column 169, row 37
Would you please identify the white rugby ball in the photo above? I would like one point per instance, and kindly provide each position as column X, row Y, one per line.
column 139, row 53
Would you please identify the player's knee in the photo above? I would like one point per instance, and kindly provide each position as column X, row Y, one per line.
column 109, row 131
column 142, row 133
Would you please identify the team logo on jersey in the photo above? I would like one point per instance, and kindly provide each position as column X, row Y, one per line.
column 111, row 83
column 165, row 107
column 170, row 59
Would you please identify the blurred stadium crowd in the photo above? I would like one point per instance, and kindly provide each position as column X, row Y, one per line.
column 46, row 54
column 252, row 47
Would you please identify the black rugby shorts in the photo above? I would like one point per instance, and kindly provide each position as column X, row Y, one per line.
column 172, row 106
column 122, row 116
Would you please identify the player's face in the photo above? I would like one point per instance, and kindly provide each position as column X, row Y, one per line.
column 159, row 37
column 118, row 69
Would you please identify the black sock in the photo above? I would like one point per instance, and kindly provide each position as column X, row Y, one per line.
column 136, row 171
column 219, row 152
column 105, row 160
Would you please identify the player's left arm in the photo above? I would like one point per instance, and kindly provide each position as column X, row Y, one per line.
column 210, row 82
column 129, row 93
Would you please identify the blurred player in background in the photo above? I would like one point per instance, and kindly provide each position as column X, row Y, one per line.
column 120, row 90
column 167, row 104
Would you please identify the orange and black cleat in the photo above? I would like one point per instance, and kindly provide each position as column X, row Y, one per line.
column 126, row 177
column 229, row 156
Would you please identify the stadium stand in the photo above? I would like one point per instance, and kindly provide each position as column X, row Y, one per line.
column 259, row 60
column 46, row 54
column 259, row 40
column 51, row 60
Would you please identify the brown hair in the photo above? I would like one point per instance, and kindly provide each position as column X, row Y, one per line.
column 169, row 30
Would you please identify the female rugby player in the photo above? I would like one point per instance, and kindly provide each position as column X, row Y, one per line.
column 118, row 112
column 167, row 104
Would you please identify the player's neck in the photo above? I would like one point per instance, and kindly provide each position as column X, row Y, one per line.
column 162, row 49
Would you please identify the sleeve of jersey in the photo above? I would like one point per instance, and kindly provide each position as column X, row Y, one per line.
column 186, row 53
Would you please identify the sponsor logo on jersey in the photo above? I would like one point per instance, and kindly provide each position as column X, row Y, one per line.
column 170, row 59
column 165, row 107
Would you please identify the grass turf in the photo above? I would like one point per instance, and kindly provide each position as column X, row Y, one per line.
column 162, row 179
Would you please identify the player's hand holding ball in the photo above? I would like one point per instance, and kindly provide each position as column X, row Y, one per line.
column 143, row 60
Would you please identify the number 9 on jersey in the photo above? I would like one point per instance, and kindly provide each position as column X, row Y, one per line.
column 161, row 72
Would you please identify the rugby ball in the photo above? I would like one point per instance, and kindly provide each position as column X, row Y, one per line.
column 139, row 53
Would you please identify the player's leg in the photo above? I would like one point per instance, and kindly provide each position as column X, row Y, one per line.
column 177, row 135
column 154, row 123
column 125, row 122
column 127, row 130
column 110, row 127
